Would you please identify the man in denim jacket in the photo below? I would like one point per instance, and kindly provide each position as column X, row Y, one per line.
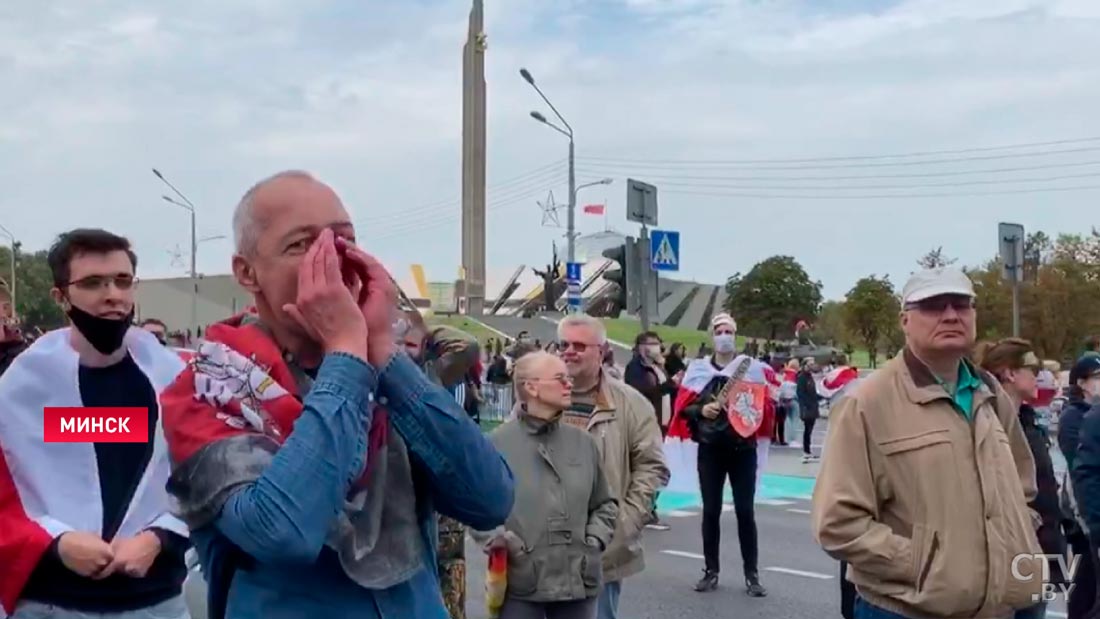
column 309, row 453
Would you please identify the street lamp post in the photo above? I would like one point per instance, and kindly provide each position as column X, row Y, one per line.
column 187, row 205
column 571, row 221
column 14, row 249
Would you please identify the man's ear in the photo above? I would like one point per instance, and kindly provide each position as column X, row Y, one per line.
column 245, row 274
column 59, row 298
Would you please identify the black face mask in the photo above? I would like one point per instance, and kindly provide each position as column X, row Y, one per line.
column 104, row 334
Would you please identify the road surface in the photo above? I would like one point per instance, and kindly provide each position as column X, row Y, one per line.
column 802, row 581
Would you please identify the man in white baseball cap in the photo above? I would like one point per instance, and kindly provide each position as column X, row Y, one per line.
column 925, row 488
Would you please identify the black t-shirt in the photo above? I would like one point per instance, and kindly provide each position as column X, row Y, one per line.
column 120, row 466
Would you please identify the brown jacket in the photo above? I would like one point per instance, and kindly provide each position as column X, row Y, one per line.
column 927, row 509
column 631, row 448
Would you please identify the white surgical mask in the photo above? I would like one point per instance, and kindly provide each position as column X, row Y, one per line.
column 724, row 343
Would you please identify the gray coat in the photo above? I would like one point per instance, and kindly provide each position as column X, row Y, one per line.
column 564, row 513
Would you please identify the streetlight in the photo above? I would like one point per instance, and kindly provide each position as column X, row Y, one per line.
column 187, row 205
column 14, row 250
column 602, row 181
column 571, row 222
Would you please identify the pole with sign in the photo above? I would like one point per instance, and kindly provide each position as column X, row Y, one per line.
column 641, row 207
column 573, row 286
column 1011, row 243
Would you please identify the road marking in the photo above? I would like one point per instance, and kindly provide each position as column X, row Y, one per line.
column 784, row 570
column 489, row 327
column 776, row 502
column 798, row 511
column 686, row 555
column 680, row 513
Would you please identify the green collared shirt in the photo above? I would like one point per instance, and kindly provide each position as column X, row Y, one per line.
column 963, row 396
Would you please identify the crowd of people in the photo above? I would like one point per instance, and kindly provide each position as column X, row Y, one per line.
column 320, row 454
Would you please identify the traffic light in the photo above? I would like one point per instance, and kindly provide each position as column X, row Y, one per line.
column 624, row 274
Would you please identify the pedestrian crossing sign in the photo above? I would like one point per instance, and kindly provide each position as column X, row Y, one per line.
column 664, row 249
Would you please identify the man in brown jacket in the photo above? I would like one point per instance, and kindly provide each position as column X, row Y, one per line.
column 625, row 428
column 926, row 477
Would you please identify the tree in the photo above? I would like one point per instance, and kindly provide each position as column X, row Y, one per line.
column 1037, row 248
column 935, row 259
column 869, row 310
column 830, row 328
column 34, row 305
column 773, row 296
column 1051, row 317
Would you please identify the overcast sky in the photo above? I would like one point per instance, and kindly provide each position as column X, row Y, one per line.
column 367, row 95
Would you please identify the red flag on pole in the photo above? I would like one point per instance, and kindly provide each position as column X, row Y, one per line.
column 594, row 209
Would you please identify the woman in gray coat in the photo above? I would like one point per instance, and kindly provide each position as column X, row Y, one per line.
column 564, row 514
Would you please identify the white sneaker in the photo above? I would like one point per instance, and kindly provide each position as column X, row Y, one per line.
column 806, row 458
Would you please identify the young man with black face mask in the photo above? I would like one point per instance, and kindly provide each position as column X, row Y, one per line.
column 86, row 528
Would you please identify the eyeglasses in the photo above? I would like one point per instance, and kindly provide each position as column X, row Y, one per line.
column 580, row 347
column 122, row 281
column 938, row 305
column 563, row 379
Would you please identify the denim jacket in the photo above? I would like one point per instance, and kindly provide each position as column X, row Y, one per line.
column 267, row 546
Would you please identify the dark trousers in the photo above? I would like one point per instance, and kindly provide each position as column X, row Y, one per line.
column 1083, row 597
column 780, row 425
column 739, row 465
column 847, row 593
column 807, row 434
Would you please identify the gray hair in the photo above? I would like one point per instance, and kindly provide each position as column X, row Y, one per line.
column 584, row 320
column 522, row 371
column 246, row 228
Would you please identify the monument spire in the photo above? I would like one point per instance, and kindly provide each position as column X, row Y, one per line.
column 473, row 163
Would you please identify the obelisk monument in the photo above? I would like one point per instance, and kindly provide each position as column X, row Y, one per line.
column 473, row 163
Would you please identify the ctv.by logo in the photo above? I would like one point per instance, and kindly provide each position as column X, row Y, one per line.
column 1051, row 587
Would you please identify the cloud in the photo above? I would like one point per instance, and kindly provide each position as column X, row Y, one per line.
column 368, row 96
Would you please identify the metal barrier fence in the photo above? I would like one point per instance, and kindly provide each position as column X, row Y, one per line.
column 497, row 401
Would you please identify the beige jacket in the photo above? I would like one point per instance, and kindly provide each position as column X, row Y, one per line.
column 927, row 509
column 629, row 440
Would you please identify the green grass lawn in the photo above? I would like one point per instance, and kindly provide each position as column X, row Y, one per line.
column 464, row 324
column 624, row 330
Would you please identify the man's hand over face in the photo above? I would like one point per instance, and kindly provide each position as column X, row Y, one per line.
column 326, row 308
column 378, row 304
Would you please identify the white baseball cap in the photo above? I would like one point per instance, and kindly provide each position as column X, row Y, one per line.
column 936, row 282
column 722, row 318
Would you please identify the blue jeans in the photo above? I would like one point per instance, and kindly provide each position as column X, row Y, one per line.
column 609, row 600
column 863, row 610
column 173, row 608
column 1039, row 611
column 793, row 428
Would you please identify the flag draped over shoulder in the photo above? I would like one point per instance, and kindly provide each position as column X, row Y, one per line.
column 835, row 381
column 47, row 489
column 237, row 403
column 681, row 452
